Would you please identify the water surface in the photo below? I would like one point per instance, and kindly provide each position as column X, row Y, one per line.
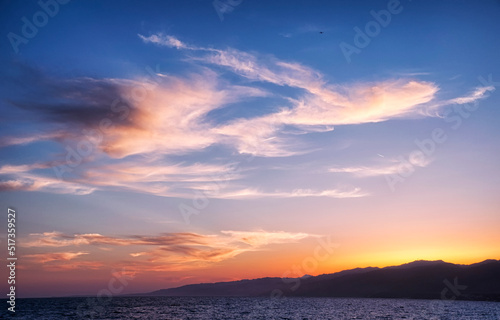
column 204, row 308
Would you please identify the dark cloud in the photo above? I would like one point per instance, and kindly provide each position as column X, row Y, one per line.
column 72, row 103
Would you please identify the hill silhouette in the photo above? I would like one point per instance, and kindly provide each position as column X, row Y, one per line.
column 414, row 280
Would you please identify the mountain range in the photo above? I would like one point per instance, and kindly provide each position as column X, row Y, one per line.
column 415, row 280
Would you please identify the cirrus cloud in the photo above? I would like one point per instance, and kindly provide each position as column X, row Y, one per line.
column 129, row 129
column 168, row 251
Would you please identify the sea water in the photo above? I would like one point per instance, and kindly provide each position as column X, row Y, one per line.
column 236, row 308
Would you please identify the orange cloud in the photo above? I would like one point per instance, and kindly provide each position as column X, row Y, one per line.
column 262, row 238
column 34, row 182
column 58, row 239
column 173, row 252
column 172, row 116
column 321, row 106
column 56, row 256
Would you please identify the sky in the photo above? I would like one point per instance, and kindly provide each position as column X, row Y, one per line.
column 148, row 145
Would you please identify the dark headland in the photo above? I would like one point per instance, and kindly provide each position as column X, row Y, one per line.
column 415, row 280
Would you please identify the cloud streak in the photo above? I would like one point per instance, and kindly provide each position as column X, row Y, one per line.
column 396, row 167
column 123, row 132
column 320, row 106
column 58, row 256
column 169, row 251
column 297, row 193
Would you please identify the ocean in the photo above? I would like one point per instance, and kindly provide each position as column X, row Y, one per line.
column 204, row 308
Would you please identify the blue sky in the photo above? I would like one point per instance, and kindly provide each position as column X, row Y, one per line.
column 255, row 132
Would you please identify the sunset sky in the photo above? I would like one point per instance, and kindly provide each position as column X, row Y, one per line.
column 176, row 142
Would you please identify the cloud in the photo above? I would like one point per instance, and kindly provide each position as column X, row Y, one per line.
column 56, row 256
column 258, row 137
column 320, row 106
column 322, row 103
column 168, row 41
column 169, row 251
column 161, row 178
column 121, row 134
column 321, row 110
column 9, row 141
column 24, row 181
column 269, row 70
column 169, row 120
column 477, row 94
column 365, row 103
column 183, row 239
column 57, row 239
column 158, row 178
column 10, row 169
column 364, row 171
column 126, row 117
column 297, row 193
column 59, row 266
column 59, row 261
column 262, row 238
column 397, row 166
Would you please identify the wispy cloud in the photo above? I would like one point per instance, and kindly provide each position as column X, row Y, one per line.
column 57, row 256
column 477, row 94
column 58, row 239
column 158, row 178
column 24, row 181
column 164, row 40
column 10, row 141
column 364, row 171
column 297, row 193
column 395, row 166
column 131, row 127
column 262, row 238
column 172, row 251
column 320, row 105
column 127, row 117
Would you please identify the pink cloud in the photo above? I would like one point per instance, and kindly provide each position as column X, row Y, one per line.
column 56, row 256
column 172, row 252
